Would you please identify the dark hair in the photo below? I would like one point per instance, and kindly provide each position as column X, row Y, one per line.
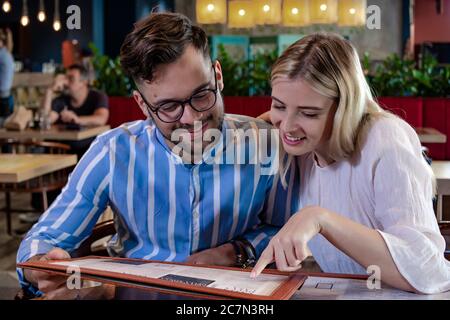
column 84, row 73
column 159, row 39
column 3, row 36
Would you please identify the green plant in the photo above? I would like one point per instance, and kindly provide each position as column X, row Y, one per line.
column 235, row 74
column 246, row 77
column 260, row 67
column 110, row 77
column 401, row 77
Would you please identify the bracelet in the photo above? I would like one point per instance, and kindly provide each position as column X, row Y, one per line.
column 245, row 253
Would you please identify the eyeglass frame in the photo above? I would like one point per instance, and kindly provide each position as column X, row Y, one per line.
column 183, row 102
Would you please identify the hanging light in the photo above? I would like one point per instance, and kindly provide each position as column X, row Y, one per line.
column 24, row 20
column 268, row 11
column 296, row 13
column 240, row 14
column 6, row 6
column 323, row 11
column 352, row 12
column 211, row 11
column 41, row 14
column 56, row 20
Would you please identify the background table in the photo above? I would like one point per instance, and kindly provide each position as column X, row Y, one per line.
column 16, row 168
column 56, row 133
column 430, row 135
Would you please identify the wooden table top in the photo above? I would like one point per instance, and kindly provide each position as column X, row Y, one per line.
column 55, row 133
column 15, row 168
column 430, row 135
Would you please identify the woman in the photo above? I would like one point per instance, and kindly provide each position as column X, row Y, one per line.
column 366, row 190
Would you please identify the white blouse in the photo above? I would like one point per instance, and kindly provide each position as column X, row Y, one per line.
column 386, row 186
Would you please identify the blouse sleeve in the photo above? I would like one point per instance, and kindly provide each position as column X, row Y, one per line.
column 403, row 188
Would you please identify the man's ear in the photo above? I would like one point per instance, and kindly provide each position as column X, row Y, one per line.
column 140, row 102
column 219, row 75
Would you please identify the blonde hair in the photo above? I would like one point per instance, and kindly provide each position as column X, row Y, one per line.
column 331, row 66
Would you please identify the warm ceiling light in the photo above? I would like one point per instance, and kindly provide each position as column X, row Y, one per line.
column 266, row 8
column 324, row 11
column 242, row 12
column 352, row 13
column 211, row 11
column 6, row 6
column 57, row 25
column 41, row 16
column 24, row 21
column 294, row 10
column 56, row 19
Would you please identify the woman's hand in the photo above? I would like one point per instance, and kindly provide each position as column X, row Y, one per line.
column 289, row 247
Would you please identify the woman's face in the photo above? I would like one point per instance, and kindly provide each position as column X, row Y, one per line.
column 303, row 116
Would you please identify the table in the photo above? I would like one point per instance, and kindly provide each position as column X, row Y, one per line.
column 16, row 168
column 56, row 133
column 333, row 287
column 430, row 135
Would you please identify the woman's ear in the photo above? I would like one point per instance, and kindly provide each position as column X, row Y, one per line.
column 219, row 75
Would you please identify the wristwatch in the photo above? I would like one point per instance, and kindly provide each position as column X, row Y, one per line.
column 245, row 253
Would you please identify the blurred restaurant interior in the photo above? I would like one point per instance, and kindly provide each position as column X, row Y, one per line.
column 404, row 47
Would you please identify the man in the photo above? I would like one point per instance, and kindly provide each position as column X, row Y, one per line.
column 69, row 100
column 6, row 75
column 168, row 205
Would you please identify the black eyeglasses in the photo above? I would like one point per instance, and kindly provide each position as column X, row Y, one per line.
column 172, row 110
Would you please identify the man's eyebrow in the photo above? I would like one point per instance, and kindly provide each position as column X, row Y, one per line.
column 300, row 107
column 200, row 87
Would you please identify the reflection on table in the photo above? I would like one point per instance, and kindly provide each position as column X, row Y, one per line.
column 56, row 133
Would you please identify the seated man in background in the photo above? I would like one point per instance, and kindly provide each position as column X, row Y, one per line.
column 70, row 100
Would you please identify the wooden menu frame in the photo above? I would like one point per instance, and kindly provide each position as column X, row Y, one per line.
column 283, row 292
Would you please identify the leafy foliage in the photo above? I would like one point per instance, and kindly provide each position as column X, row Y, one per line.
column 110, row 77
column 243, row 78
column 401, row 77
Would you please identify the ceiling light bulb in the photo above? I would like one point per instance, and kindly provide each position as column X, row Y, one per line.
column 6, row 6
column 41, row 16
column 24, row 21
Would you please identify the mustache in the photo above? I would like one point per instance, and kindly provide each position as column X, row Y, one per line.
column 190, row 127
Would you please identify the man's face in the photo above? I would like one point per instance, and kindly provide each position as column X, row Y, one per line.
column 189, row 76
column 74, row 82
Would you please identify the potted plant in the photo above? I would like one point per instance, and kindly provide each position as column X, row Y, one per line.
column 111, row 79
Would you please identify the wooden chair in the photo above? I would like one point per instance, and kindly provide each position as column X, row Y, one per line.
column 445, row 231
column 101, row 231
column 41, row 185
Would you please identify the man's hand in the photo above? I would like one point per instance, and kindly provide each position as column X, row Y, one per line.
column 46, row 282
column 223, row 255
column 59, row 83
column 69, row 117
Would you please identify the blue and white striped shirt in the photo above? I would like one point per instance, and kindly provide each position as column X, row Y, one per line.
column 164, row 209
